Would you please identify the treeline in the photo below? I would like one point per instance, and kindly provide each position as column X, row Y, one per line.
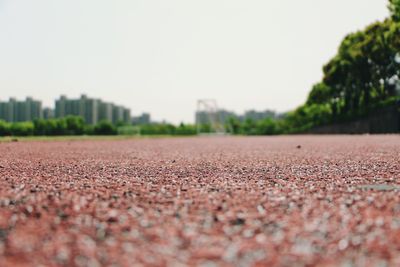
column 74, row 125
column 289, row 124
column 168, row 129
column 362, row 78
column 70, row 125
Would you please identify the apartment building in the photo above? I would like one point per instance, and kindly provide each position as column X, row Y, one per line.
column 91, row 109
column 18, row 111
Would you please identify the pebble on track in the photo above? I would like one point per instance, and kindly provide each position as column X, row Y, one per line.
column 223, row 201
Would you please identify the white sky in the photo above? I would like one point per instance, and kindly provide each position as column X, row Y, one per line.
column 161, row 56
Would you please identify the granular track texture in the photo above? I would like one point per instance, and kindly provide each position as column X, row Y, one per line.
column 223, row 201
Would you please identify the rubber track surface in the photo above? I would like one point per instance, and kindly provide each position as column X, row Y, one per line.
column 234, row 201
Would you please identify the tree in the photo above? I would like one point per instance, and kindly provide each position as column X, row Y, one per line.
column 362, row 74
column 75, row 125
column 22, row 128
column 268, row 126
column 234, row 125
column 320, row 94
column 4, row 128
column 394, row 7
column 185, row 129
column 105, row 128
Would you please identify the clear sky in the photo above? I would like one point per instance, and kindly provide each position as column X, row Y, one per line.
column 161, row 56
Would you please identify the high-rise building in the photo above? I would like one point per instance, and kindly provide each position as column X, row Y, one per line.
column 105, row 111
column 144, row 118
column 118, row 114
column 202, row 117
column 127, row 115
column 18, row 111
column 48, row 113
column 85, row 107
column 7, row 110
column 60, row 110
column 92, row 110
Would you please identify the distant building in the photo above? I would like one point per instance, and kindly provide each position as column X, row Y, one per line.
column 92, row 110
column 127, row 116
column 118, row 114
column 85, row 107
column 202, row 117
column 18, row 111
column 142, row 119
column 258, row 115
column 7, row 110
column 105, row 111
column 48, row 113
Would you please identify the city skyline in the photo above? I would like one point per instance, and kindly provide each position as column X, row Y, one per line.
column 161, row 57
column 54, row 111
column 92, row 110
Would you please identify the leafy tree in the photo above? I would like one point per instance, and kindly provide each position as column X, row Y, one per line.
column 89, row 129
column 105, row 128
column 60, row 126
column 234, row 125
column 128, row 130
column 121, row 123
column 39, row 126
column 394, row 7
column 185, row 129
column 320, row 94
column 268, row 126
column 158, row 129
column 4, row 128
column 74, row 125
column 22, row 128
column 46, row 127
column 205, row 128
column 364, row 72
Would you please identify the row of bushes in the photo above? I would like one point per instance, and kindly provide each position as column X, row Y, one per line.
column 74, row 125
column 300, row 120
column 70, row 125
column 168, row 129
column 304, row 118
column 361, row 78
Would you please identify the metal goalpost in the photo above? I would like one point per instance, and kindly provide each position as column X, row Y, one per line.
column 208, row 112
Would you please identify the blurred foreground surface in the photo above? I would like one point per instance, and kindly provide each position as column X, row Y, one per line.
column 266, row 201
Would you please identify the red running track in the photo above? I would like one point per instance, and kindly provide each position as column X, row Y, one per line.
column 234, row 201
